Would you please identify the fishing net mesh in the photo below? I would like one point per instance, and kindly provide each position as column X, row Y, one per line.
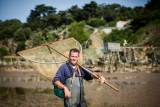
column 46, row 61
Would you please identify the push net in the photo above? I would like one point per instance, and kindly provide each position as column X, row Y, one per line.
column 46, row 61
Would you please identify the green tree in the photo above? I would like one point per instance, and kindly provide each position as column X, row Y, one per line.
column 118, row 36
column 76, row 13
column 38, row 39
column 90, row 10
column 3, row 52
column 152, row 5
column 65, row 18
column 78, row 32
column 100, row 11
column 126, row 13
column 139, row 10
column 41, row 11
column 110, row 12
column 41, row 17
column 8, row 27
column 21, row 46
column 53, row 21
column 22, row 34
column 96, row 22
column 153, row 9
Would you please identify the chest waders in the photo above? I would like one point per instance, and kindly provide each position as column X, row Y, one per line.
column 77, row 91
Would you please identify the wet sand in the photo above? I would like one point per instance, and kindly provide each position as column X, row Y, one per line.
column 135, row 90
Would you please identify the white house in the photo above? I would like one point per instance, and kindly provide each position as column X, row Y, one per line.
column 120, row 24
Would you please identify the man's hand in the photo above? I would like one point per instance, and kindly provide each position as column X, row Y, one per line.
column 67, row 93
column 102, row 79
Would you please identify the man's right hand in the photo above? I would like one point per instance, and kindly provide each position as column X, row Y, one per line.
column 67, row 93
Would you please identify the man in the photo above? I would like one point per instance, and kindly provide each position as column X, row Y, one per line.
column 63, row 79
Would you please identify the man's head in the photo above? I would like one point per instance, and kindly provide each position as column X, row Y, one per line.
column 74, row 56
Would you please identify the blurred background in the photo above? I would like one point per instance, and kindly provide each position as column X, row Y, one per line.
column 120, row 40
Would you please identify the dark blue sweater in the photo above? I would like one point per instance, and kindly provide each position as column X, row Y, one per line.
column 63, row 73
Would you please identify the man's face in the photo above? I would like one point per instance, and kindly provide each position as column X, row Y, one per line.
column 73, row 58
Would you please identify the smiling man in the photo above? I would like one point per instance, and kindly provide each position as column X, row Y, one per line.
column 63, row 79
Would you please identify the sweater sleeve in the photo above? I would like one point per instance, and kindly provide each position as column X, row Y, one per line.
column 87, row 75
column 60, row 75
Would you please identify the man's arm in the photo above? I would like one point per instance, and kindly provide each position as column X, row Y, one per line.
column 66, row 91
column 101, row 78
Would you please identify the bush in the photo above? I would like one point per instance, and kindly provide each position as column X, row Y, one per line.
column 96, row 22
column 118, row 36
column 21, row 46
column 113, row 23
column 138, row 36
column 38, row 39
column 78, row 32
column 3, row 52
column 8, row 27
column 22, row 34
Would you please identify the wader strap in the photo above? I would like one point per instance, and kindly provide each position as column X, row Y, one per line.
column 72, row 74
column 70, row 69
column 79, row 71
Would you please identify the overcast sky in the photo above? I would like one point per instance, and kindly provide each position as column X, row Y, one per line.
column 20, row 9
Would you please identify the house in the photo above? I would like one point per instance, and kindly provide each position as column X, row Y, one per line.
column 120, row 24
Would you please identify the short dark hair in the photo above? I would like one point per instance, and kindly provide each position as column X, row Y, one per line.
column 74, row 50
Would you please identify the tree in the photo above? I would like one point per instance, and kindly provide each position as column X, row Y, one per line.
column 90, row 10
column 101, row 10
column 3, row 52
column 53, row 21
column 77, row 31
column 153, row 8
column 76, row 13
column 22, row 34
column 109, row 13
column 152, row 5
column 96, row 22
column 42, row 17
column 41, row 11
column 139, row 10
column 65, row 18
column 118, row 36
column 150, row 13
column 21, row 46
column 38, row 39
column 126, row 13
column 8, row 28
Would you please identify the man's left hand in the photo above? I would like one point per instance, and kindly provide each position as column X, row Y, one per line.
column 102, row 79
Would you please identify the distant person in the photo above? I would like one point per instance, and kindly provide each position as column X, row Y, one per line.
column 124, row 43
column 63, row 80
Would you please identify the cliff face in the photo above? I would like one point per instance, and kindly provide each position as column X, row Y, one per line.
column 97, row 41
column 151, row 36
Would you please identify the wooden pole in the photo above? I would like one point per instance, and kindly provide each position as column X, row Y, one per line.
column 84, row 68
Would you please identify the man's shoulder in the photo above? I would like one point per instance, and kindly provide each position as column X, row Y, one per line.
column 63, row 66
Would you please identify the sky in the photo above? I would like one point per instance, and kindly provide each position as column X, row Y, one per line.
column 20, row 9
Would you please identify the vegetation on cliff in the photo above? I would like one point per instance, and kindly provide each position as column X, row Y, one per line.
column 44, row 25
